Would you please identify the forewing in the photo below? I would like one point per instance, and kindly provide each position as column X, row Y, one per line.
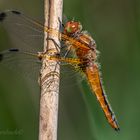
column 23, row 30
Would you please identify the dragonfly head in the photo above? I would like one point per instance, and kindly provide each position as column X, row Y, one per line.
column 72, row 27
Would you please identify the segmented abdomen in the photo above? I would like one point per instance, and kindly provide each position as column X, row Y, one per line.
column 93, row 77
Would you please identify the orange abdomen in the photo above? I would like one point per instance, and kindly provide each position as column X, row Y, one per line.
column 93, row 77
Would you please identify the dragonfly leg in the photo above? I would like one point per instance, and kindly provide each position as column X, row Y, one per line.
column 61, row 25
column 57, row 46
column 67, row 52
column 55, row 43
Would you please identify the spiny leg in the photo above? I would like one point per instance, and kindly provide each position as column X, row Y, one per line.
column 62, row 46
column 57, row 54
column 57, row 46
column 55, row 43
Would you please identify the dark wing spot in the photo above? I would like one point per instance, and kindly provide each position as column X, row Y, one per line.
column 2, row 16
column 16, row 12
column 13, row 50
column 1, row 57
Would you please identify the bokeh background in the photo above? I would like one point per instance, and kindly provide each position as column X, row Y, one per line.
column 115, row 25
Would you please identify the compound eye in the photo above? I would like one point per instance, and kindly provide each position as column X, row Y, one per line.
column 73, row 26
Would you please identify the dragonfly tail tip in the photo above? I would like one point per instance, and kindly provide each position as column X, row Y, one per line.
column 117, row 129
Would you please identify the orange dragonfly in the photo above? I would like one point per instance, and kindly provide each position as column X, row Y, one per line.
column 77, row 41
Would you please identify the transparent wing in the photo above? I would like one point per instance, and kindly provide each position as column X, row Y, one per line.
column 23, row 29
column 21, row 62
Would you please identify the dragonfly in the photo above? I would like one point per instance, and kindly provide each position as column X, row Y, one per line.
column 77, row 42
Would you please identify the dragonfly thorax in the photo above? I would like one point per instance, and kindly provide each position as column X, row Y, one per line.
column 91, row 55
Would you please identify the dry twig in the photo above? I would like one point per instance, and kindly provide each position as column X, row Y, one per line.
column 50, row 76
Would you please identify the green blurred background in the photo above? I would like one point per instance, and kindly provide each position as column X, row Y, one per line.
column 115, row 25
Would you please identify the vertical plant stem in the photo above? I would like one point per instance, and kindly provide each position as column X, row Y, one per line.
column 50, row 75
